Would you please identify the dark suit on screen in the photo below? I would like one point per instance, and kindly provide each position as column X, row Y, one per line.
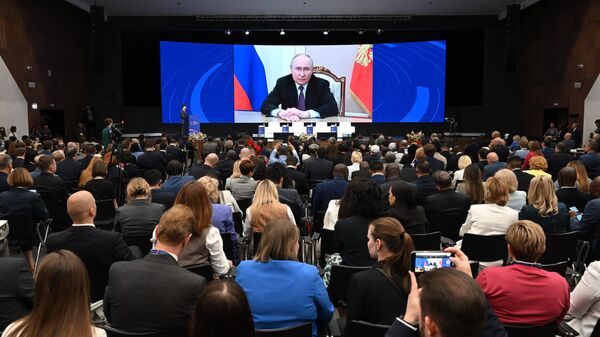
column 97, row 249
column 318, row 97
column 132, row 303
column 16, row 290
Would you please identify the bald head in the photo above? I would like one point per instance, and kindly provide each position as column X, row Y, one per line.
column 492, row 157
column 81, row 207
column 568, row 136
column 245, row 153
column 211, row 160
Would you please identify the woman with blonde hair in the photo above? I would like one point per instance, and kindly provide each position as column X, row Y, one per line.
column 583, row 181
column 264, row 208
column 206, row 245
column 219, row 197
column 61, row 305
column 463, row 162
column 236, row 174
column 356, row 158
column 275, row 279
column 538, row 166
column 516, row 199
column 222, row 216
column 494, row 216
column 137, row 219
column 544, row 208
column 86, row 174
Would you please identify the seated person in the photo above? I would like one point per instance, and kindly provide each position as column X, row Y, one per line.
column 585, row 301
column 16, row 290
column 378, row 295
column 174, row 178
column 522, row 292
column 100, row 187
column 516, row 199
column 404, row 208
column 544, row 208
column 264, row 208
column 282, row 291
column 206, row 245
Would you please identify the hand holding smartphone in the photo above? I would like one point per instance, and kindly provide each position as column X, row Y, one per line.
column 423, row 261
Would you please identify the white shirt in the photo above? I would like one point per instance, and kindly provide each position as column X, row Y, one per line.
column 214, row 245
column 585, row 301
column 83, row 224
column 488, row 219
column 331, row 214
column 313, row 113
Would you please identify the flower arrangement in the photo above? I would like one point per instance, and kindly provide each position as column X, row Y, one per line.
column 415, row 137
column 196, row 136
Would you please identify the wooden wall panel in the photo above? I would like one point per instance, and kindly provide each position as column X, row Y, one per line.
column 47, row 35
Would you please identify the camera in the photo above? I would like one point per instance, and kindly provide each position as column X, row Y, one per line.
column 116, row 132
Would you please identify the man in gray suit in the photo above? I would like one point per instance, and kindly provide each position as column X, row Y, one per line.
column 155, row 293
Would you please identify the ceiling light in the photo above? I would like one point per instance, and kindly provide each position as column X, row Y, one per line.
column 361, row 31
column 282, row 31
column 325, row 31
column 228, row 31
column 246, row 32
column 379, row 31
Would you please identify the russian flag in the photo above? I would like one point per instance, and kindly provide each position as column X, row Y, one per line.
column 249, row 79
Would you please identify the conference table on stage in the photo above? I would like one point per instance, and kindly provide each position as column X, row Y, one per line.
column 258, row 117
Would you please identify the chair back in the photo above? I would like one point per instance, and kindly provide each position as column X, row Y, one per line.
column 427, row 241
column 227, row 245
column 366, row 329
column 204, row 270
column 558, row 267
column 114, row 332
column 301, row 330
column 340, row 280
column 447, row 222
column 237, row 222
column 560, row 247
column 244, row 204
column 57, row 210
column 548, row 330
column 141, row 241
column 337, row 86
column 105, row 214
column 256, row 241
column 485, row 248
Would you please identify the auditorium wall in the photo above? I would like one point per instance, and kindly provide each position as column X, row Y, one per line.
column 51, row 36
column 557, row 36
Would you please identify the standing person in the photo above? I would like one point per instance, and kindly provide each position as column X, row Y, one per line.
column 61, row 301
column 300, row 94
column 107, row 132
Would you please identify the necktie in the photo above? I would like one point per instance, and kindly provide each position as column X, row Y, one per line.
column 301, row 99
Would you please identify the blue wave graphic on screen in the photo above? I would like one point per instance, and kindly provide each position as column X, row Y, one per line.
column 409, row 81
column 199, row 75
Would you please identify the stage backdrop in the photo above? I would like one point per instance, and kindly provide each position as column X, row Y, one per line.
column 392, row 82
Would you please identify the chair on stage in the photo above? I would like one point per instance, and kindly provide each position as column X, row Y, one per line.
column 337, row 86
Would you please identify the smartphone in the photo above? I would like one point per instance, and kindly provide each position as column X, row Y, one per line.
column 423, row 261
column 574, row 209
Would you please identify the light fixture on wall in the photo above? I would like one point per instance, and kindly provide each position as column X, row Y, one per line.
column 246, row 32
column 361, row 31
column 379, row 31
column 34, row 106
column 325, row 31
column 227, row 31
column 282, row 31
column 577, row 85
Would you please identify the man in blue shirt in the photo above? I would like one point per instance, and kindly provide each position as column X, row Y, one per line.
column 281, row 152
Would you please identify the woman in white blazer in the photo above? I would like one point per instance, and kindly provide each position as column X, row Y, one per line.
column 585, row 301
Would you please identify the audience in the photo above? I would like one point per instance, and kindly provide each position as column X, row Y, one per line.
column 589, row 225
column 583, row 181
column 568, row 193
column 516, row 199
column 154, row 179
column 585, row 301
column 174, row 180
column 523, row 293
column 61, row 304
column 154, row 293
column 16, row 290
column 244, row 186
column 69, row 169
column 472, row 184
column 275, row 279
column 379, row 295
column 463, row 162
column 534, row 151
column 265, row 207
column 544, row 208
column 356, row 158
column 5, row 168
column 447, row 207
column 404, row 207
column 207, row 168
column 538, row 166
column 330, row 190
column 205, row 245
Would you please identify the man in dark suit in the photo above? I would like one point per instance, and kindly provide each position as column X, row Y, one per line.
column 16, row 290
column 175, row 151
column 514, row 164
column 363, row 171
column 569, row 141
column 434, row 164
column 482, row 156
column 69, row 169
column 162, row 149
column 155, row 293
column 154, row 178
column 494, row 165
column 591, row 159
column 559, row 159
column 376, row 170
column 90, row 151
column 225, row 166
column 330, row 190
column 19, row 160
column 287, row 196
column 447, row 209
column 300, row 94
column 568, row 193
column 5, row 168
column 319, row 168
column 206, row 169
column 151, row 159
column 577, row 134
column 589, row 225
column 425, row 184
column 48, row 185
column 299, row 179
column 96, row 248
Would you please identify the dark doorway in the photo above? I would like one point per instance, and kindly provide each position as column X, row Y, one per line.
column 55, row 120
column 558, row 116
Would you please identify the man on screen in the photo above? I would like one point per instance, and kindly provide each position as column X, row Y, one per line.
column 300, row 94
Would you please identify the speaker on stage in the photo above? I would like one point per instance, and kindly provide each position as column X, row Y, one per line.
column 97, row 38
column 511, row 37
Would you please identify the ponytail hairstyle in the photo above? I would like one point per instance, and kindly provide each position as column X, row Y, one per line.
column 391, row 232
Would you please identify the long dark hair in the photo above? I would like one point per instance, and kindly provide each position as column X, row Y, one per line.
column 223, row 311
column 404, row 194
column 362, row 198
column 399, row 243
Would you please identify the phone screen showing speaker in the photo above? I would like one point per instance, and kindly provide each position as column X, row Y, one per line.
column 423, row 261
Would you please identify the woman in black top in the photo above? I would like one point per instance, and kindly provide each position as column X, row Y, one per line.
column 378, row 295
column 405, row 209
column 100, row 187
